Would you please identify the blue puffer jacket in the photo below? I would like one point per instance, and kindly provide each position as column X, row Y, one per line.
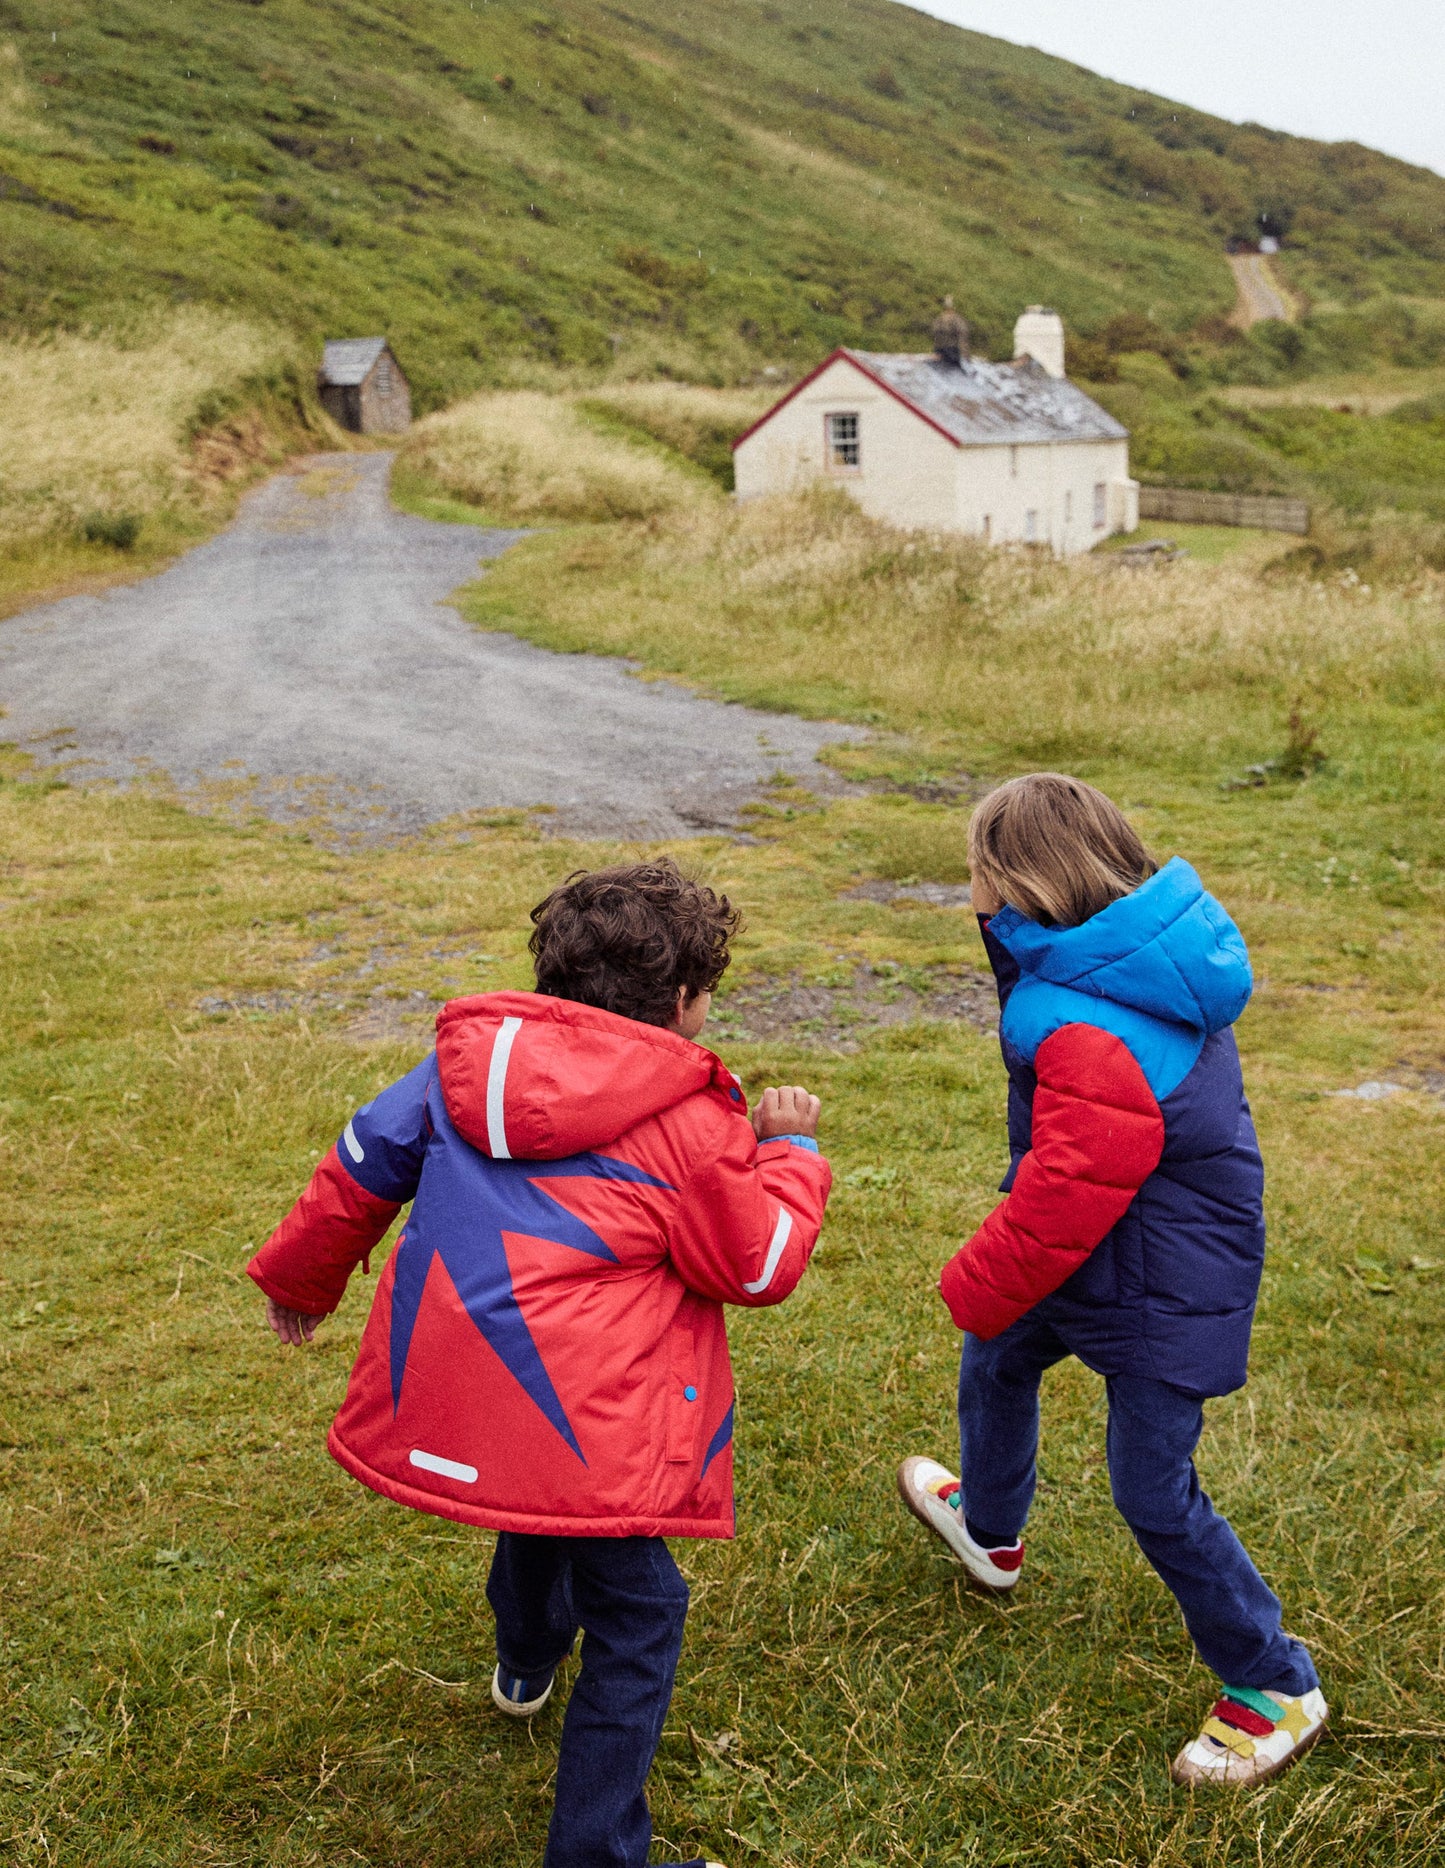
column 1134, row 1220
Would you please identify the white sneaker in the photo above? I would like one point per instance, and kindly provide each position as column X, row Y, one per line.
column 931, row 1493
column 512, row 1693
column 1251, row 1736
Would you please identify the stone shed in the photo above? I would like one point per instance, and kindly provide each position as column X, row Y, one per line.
column 363, row 387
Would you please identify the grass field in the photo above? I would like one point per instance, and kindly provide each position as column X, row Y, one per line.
column 215, row 1649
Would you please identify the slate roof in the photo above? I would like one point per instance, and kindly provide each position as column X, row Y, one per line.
column 348, row 361
column 975, row 401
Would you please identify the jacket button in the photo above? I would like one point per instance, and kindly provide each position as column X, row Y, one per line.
column 689, row 1393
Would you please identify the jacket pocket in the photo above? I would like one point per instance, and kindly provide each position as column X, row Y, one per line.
column 684, row 1405
column 1097, row 1281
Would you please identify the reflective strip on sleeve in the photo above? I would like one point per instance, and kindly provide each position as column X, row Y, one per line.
column 497, row 1089
column 353, row 1146
column 775, row 1252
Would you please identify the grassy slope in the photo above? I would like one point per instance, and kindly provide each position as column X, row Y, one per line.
column 486, row 179
column 216, row 1649
column 1185, row 434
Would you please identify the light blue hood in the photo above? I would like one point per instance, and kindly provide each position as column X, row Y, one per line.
column 1168, row 951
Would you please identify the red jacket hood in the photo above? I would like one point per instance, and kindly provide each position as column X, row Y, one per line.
column 531, row 1078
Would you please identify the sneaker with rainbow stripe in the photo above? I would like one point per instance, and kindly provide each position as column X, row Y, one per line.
column 1250, row 1736
column 931, row 1493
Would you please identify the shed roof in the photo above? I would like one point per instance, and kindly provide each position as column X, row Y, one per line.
column 975, row 402
column 348, row 361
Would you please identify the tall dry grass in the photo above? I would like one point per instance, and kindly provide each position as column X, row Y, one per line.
column 1403, row 549
column 697, row 421
column 523, row 455
column 806, row 603
column 99, row 423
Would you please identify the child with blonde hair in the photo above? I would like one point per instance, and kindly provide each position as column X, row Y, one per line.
column 1131, row 1235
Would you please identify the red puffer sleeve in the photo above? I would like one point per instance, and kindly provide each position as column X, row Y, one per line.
column 1097, row 1137
column 749, row 1218
column 351, row 1201
column 306, row 1262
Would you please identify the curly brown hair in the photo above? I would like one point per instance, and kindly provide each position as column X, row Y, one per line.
column 627, row 938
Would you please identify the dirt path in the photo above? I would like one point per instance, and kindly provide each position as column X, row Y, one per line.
column 306, row 661
column 1260, row 294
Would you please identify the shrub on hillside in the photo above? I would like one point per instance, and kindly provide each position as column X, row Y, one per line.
column 120, row 530
column 523, row 455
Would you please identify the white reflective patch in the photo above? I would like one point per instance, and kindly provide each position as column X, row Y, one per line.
column 775, row 1252
column 448, row 1468
column 353, row 1146
column 497, row 1089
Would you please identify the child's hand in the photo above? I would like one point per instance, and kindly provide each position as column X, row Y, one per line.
column 790, row 1111
column 291, row 1326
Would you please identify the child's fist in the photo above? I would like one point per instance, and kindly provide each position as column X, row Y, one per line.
column 789, row 1111
column 291, row 1326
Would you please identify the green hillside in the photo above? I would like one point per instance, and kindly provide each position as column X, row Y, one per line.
column 694, row 187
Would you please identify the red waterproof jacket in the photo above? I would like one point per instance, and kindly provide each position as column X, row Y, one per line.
column 546, row 1351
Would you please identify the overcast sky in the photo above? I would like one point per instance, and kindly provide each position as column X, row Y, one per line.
column 1340, row 70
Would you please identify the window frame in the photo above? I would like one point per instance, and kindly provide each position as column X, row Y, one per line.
column 834, row 449
column 1101, row 505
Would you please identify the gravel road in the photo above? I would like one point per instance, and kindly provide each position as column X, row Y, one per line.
column 306, row 661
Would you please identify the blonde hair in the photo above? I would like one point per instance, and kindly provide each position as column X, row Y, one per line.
column 1055, row 848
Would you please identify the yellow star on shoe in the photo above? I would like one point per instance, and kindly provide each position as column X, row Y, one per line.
column 1294, row 1719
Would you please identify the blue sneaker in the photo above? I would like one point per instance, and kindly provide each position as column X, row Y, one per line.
column 513, row 1693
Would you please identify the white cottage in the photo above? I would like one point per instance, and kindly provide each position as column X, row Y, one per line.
column 948, row 442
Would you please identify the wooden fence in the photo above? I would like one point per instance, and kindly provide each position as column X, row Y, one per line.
column 1183, row 506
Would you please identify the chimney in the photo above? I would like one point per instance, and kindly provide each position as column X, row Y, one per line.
column 950, row 335
column 1039, row 334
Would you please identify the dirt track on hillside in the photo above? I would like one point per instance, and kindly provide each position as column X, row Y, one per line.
column 1260, row 295
column 306, row 663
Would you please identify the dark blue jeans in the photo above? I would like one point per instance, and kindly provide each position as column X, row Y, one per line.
column 1229, row 1610
column 630, row 1601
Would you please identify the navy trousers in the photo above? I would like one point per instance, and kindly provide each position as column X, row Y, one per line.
column 629, row 1599
column 1229, row 1610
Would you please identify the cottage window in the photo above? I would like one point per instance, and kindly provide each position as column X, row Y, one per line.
column 1031, row 526
column 1101, row 505
column 1013, row 463
column 1068, row 508
column 843, row 449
